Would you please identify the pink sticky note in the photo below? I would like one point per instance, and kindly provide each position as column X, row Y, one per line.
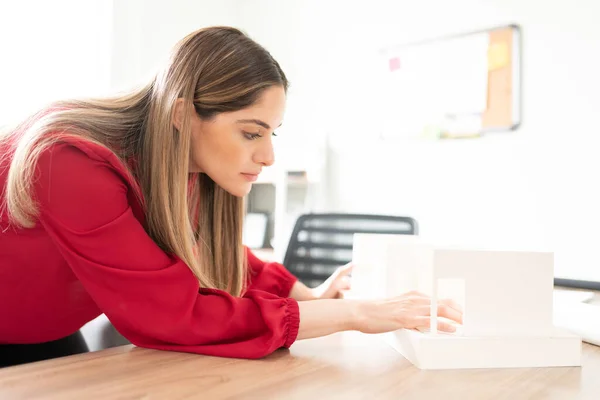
column 394, row 64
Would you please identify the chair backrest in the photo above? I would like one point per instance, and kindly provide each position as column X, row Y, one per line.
column 321, row 242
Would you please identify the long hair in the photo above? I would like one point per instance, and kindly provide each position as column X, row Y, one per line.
column 217, row 69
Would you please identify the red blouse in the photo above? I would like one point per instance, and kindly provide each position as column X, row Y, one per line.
column 89, row 254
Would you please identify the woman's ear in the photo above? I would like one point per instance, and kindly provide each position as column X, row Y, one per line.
column 178, row 112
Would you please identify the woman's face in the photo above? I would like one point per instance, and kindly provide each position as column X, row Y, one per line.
column 233, row 147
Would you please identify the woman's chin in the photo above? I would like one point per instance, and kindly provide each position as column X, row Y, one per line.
column 239, row 190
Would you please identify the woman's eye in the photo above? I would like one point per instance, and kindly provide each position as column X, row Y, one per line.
column 252, row 136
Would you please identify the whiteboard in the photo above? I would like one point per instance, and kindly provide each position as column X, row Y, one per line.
column 457, row 85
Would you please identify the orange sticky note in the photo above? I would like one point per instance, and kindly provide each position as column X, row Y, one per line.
column 497, row 55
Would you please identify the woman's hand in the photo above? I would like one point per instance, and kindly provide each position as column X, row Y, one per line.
column 334, row 286
column 411, row 310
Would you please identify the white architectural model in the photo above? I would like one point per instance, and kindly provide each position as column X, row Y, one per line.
column 506, row 298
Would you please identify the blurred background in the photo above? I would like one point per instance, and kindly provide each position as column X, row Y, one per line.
column 533, row 187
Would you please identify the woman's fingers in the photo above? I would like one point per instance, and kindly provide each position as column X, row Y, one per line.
column 421, row 298
column 415, row 298
column 416, row 293
column 442, row 326
column 345, row 270
column 452, row 303
column 443, row 310
column 450, row 313
column 447, row 308
column 345, row 283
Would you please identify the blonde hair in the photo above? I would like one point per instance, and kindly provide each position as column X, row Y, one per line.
column 217, row 69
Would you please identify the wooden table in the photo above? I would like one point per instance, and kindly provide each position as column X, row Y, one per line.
column 347, row 365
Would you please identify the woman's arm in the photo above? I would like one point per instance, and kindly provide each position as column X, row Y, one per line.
column 301, row 292
column 151, row 297
column 154, row 300
column 410, row 310
column 274, row 278
column 333, row 288
column 324, row 317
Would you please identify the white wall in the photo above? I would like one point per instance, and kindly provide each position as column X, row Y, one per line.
column 73, row 48
column 534, row 188
column 285, row 29
column 145, row 30
column 51, row 50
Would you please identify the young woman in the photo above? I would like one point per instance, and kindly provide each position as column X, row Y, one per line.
column 132, row 206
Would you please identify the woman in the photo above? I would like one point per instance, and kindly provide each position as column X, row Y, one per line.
column 132, row 206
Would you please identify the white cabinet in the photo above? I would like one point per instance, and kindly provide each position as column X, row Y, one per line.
column 283, row 195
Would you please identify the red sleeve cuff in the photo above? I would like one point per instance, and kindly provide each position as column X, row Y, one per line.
column 293, row 321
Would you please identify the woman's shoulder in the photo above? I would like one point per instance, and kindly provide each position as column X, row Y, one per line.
column 83, row 184
column 82, row 164
column 88, row 149
column 75, row 152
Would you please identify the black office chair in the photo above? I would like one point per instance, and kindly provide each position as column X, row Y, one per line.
column 97, row 335
column 16, row 354
column 321, row 242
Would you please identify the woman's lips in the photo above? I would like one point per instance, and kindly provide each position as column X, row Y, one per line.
column 250, row 177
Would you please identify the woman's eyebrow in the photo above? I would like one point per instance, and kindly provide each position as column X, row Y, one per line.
column 256, row 121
